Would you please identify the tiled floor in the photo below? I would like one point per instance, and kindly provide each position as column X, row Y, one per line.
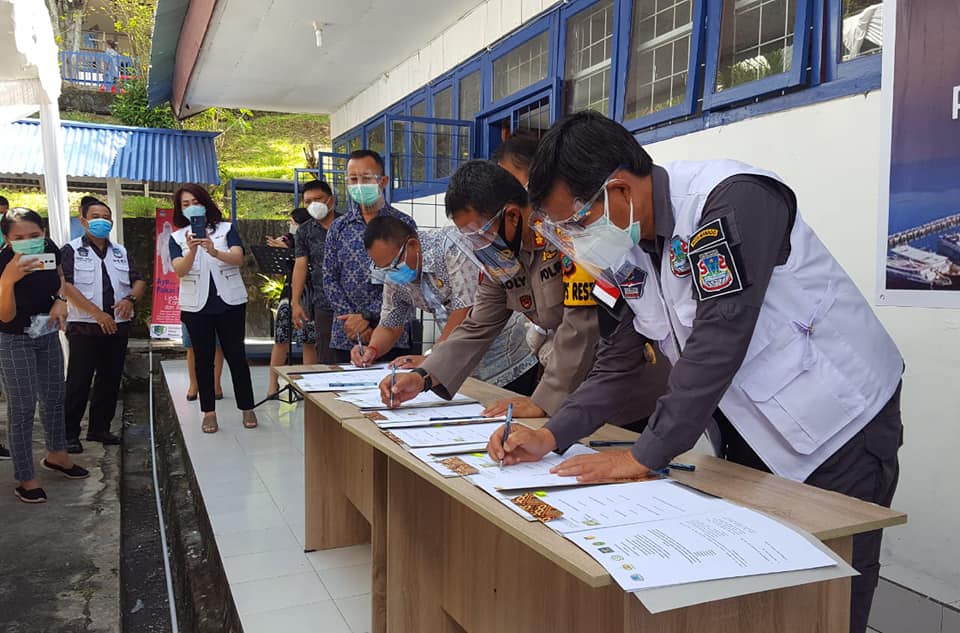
column 252, row 484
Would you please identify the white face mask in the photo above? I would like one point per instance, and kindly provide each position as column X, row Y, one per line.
column 317, row 210
column 603, row 244
column 293, row 228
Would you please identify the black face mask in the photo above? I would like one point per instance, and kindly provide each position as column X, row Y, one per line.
column 517, row 241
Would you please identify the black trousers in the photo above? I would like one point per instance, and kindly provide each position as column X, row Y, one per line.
column 526, row 383
column 866, row 467
column 100, row 356
column 229, row 326
column 323, row 322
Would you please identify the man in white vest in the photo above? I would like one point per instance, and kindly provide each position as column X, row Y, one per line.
column 102, row 287
column 776, row 354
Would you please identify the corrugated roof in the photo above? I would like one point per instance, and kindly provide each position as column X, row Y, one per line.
column 113, row 151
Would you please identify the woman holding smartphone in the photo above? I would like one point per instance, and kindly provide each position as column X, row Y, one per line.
column 32, row 310
column 206, row 253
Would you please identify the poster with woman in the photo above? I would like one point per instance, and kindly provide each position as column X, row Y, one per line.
column 920, row 192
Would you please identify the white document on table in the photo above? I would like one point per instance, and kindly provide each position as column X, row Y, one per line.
column 613, row 505
column 423, row 416
column 370, row 399
column 731, row 543
column 525, row 475
column 433, row 455
column 363, row 379
column 446, row 435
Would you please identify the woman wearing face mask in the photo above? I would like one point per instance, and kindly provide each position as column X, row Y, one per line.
column 284, row 331
column 32, row 309
column 207, row 254
column 103, row 286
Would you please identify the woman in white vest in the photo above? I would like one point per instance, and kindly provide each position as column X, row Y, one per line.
column 207, row 253
column 776, row 354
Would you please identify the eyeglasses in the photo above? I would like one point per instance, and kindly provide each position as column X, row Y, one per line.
column 484, row 236
column 394, row 265
column 363, row 179
column 580, row 209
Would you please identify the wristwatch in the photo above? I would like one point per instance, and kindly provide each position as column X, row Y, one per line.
column 131, row 299
column 427, row 380
column 60, row 298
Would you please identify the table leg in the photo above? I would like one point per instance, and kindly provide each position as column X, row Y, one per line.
column 331, row 519
column 378, row 538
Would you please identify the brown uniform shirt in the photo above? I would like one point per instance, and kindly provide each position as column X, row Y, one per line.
column 537, row 292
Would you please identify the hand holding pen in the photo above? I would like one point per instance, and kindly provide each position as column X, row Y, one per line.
column 506, row 431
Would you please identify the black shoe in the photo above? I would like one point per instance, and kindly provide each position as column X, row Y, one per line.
column 37, row 495
column 193, row 397
column 74, row 472
column 74, row 447
column 4, row 453
column 108, row 438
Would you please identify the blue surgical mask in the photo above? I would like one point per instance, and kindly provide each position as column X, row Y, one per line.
column 195, row 211
column 31, row 246
column 99, row 227
column 402, row 274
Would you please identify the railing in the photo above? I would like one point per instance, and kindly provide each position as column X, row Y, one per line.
column 104, row 71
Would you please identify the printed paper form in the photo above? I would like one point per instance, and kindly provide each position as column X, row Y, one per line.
column 420, row 416
column 370, row 399
column 592, row 507
column 362, row 379
column 446, row 435
column 525, row 475
column 732, row 543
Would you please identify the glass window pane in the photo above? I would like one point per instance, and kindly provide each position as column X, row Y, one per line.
column 418, row 145
column 658, row 67
column 587, row 75
column 534, row 117
column 861, row 32
column 376, row 139
column 443, row 134
column 469, row 107
column 756, row 40
column 398, row 154
column 523, row 66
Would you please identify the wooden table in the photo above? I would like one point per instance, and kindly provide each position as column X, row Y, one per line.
column 448, row 558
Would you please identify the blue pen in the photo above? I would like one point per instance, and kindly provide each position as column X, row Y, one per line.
column 393, row 381
column 506, row 429
column 353, row 384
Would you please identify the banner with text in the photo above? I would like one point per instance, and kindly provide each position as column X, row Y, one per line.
column 165, row 316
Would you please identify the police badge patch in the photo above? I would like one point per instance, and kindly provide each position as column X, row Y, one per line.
column 679, row 262
column 526, row 301
column 716, row 272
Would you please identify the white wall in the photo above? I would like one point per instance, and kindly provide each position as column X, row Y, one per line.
column 829, row 154
column 479, row 28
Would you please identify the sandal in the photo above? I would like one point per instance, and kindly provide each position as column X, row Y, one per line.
column 209, row 424
column 249, row 420
column 74, row 472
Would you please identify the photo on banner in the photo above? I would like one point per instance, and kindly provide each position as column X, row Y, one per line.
column 920, row 190
column 165, row 312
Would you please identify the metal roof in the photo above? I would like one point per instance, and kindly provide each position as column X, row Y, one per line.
column 113, row 151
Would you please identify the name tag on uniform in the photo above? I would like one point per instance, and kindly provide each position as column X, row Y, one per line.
column 605, row 292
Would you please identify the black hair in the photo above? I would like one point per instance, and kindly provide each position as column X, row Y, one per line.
column 483, row 186
column 300, row 215
column 316, row 184
column 214, row 215
column 19, row 214
column 4, row 202
column 518, row 149
column 369, row 153
column 89, row 201
column 389, row 229
column 582, row 150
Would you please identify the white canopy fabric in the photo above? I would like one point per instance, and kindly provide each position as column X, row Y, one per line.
column 30, row 81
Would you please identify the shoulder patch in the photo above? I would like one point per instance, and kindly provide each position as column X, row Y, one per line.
column 715, row 272
column 707, row 235
column 631, row 281
column 679, row 261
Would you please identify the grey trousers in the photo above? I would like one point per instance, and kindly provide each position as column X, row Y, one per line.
column 31, row 370
column 867, row 468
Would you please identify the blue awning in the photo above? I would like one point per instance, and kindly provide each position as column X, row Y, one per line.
column 113, row 151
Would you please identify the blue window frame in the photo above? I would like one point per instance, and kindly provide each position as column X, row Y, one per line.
column 660, row 60
column 499, row 67
column 375, row 133
column 755, row 47
column 587, row 43
column 854, row 40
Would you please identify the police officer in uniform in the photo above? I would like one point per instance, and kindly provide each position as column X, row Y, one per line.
column 521, row 273
column 777, row 354
column 102, row 287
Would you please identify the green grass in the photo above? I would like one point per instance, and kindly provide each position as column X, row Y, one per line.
column 272, row 147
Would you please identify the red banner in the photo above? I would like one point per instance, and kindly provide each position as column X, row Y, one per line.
column 165, row 316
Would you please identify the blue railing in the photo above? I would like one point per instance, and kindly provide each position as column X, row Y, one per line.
column 104, row 71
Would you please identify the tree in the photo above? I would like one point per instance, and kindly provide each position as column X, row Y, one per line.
column 134, row 18
column 130, row 107
column 66, row 16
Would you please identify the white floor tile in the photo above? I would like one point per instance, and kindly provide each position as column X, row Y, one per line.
column 250, row 484
column 347, row 582
column 278, row 593
column 358, row 612
column 322, row 617
column 243, row 521
column 265, row 565
column 256, row 502
column 257, row 541
column 341, row 557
